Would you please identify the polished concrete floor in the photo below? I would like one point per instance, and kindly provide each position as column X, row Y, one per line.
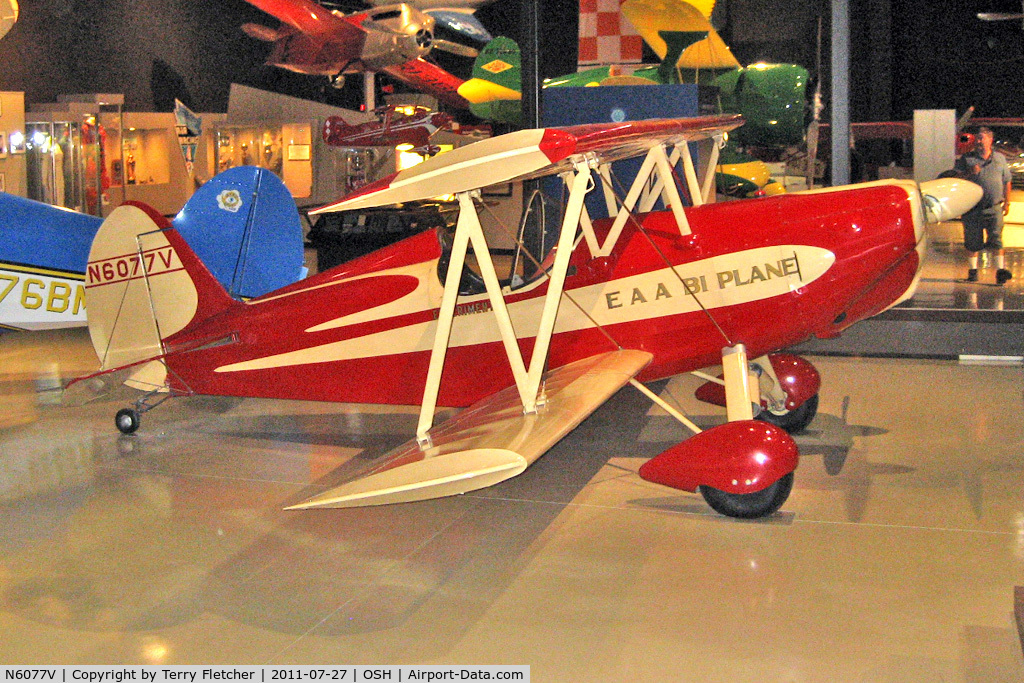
column 895, row 558
column 943, row 282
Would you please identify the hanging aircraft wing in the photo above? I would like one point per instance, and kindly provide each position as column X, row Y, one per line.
column 529, row 154
column 308, row 17
column 490, row 441
column 653, row 18
column 431, row 79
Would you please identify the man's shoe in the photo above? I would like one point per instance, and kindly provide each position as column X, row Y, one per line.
column 972, row 275
column 1003, row 275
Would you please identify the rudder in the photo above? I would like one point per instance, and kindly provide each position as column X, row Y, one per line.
column 144, row 284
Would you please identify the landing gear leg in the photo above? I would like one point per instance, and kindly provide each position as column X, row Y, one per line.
column 741, row 387
column 789, row 385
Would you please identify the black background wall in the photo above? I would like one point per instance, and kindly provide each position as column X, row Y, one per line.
column 907, row 54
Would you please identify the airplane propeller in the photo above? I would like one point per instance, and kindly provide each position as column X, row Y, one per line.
column 424, row 38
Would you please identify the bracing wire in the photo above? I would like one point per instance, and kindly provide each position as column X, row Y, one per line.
column 619, row 194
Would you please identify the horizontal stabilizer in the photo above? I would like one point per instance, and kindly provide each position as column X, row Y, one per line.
column 489, row 442
column 261, row 32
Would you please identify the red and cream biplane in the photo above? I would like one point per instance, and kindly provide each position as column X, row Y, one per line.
column 395, row 126
column 530, row 352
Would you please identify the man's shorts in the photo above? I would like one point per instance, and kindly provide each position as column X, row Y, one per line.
column 983, row 229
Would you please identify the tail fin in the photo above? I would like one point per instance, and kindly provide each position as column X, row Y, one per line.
column 496, row 87
column 245, row 227
column 680, row 34
column 144, row 284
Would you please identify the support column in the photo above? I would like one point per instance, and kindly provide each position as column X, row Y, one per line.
column 840, row 92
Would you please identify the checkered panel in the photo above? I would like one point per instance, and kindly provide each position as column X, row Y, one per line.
column 607, row 37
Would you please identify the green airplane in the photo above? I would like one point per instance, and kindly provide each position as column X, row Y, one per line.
column 771, row 97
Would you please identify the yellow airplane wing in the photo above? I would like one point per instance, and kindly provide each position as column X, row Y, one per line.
column 650, row 17
column 8, row 15
column 478, row 91
column 705, row 7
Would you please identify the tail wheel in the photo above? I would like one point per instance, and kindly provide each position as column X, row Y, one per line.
column 793, row 421
column 749, row 505
column 127, row 420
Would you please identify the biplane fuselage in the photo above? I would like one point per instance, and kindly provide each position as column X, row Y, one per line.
column 772, row 272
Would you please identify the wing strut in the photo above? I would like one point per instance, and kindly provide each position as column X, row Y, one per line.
column 468, row 231
column 699, row 192
column 655, row 179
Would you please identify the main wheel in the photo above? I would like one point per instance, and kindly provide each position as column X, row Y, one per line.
column 749, row 505
column 793, row 421
column 127, row 420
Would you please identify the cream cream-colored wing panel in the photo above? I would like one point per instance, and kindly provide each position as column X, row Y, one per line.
column 488, row 162
column 490, row 441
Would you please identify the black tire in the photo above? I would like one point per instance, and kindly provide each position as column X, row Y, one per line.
column 127, row 420
column 749, row 505
column 795, row 421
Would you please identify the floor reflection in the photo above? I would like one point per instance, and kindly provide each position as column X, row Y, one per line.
column 894, row 559
column 943, row 282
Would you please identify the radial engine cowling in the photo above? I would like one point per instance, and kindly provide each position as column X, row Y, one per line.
column 397, row 34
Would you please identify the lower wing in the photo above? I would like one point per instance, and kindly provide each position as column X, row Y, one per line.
column 489, row 442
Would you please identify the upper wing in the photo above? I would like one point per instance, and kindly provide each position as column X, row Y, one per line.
column 652, row 18
column 491, row 441
column 431, row 79
column 308, row 17
column 528, row 154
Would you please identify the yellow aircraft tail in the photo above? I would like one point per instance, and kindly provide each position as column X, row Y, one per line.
column 654, row 18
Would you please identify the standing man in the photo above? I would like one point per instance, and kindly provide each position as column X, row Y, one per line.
column 983, row 225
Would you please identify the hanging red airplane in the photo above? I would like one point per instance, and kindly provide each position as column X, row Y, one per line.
column 392, row 39
column 619, row 299
column 396, row 126
column 455, row 15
